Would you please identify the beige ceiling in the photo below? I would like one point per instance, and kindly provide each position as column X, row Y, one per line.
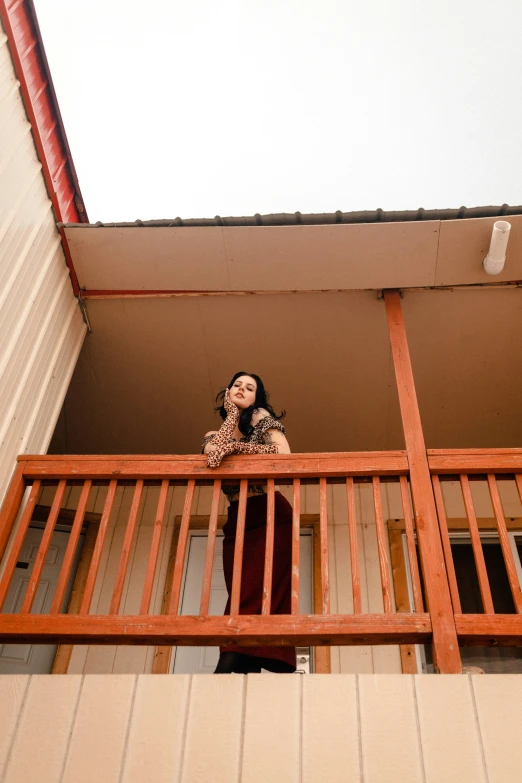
column 270, row 258
column 149, row 371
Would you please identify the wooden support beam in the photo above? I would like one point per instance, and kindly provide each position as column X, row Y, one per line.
column 445, row 645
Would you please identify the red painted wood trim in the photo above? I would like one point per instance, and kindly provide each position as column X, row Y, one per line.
column 36, row 85
column 445, row 646
column 241, row 630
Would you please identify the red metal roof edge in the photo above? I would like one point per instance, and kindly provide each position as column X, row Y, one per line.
column 36, row 85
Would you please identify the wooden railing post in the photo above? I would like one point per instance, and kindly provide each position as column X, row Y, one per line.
column 446, row 653
column 11, row 506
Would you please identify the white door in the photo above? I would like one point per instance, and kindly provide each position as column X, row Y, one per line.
column 35, row 658
column 203, row 660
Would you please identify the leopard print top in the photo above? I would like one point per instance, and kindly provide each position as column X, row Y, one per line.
column 257, row 437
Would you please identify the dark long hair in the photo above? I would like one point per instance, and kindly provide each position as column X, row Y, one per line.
column 261, row 401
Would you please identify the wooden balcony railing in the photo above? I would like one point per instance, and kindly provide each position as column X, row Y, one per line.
column 486, row 467
column 293, row 472
column 296, row 470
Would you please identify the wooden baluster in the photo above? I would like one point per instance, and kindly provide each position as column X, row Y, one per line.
column 76, row 529
column 154, row 548
column 296, row 541
column 45, row 543
column 211, row 549
column 410, row 545
column 235, row 598
column 126, row 549
column 476, row 544
column 381, row 545
column 11, row 506
column 446, row 545
column 98, row 548
column 269, row 549
column 518, row 481
column 181, row 549
column 323, row 538
column 14, row 555
column 509, row 560
column 354, row 547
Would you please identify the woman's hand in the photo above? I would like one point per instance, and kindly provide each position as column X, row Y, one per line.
column 231, row 409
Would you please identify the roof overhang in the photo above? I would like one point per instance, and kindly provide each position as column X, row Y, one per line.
column 127, row 260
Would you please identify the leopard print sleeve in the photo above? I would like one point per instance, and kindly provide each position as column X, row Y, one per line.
column 206, row 440
column 214, row 458
column 262, row 427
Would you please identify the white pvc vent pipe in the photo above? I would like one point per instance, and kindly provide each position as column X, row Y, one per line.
column 494, row 262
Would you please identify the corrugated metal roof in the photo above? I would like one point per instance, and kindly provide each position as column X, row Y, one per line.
column 318, row 219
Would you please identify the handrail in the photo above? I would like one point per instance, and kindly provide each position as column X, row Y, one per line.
column 190, row 466
column 457, row 461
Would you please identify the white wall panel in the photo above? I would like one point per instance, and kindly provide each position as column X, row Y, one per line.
column 41, row 327
column 343, row 728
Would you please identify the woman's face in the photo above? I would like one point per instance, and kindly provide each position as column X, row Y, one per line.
column 243, row 391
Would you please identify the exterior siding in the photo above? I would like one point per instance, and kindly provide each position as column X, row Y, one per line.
column 41, row 326
column 256, row 728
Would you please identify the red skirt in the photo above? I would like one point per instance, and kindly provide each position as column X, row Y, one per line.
column 254, row 566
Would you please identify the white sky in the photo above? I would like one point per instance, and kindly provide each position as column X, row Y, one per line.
column 235, row 107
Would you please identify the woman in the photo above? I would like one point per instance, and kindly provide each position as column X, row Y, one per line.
column 251, row 426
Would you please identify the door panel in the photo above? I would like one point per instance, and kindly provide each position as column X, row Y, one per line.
column 35, row 658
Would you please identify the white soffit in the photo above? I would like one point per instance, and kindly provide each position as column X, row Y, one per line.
column 281, row 258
